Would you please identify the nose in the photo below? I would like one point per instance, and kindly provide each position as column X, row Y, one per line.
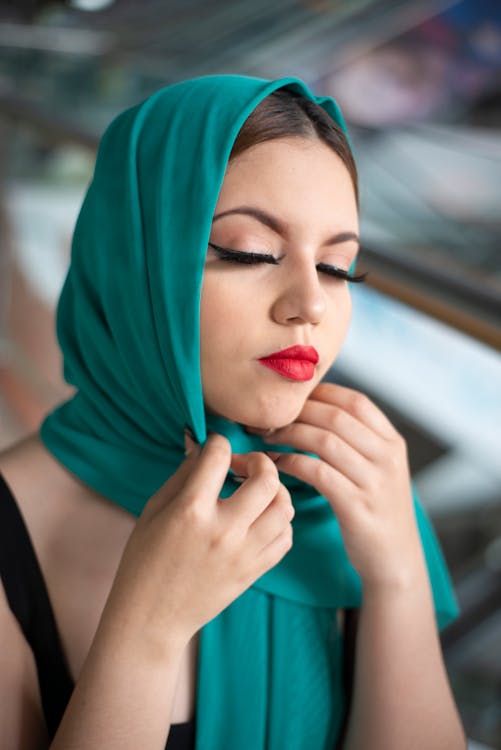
column 301, row 299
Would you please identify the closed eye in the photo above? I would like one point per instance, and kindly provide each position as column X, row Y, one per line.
column 240, row 256
column 340, row 273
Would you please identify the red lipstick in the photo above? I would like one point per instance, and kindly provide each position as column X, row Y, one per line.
column 295, row 363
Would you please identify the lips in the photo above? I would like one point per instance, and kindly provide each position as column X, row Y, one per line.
column 305, row 353
column 296, row 362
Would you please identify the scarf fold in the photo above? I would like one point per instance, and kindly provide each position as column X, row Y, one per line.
column 269, row 673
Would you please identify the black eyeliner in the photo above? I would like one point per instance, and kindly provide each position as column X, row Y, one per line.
column 241, row 256
column 340, row 273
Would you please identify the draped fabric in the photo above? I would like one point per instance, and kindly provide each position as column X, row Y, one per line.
column 269, row 672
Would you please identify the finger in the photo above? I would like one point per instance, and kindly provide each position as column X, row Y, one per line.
column 357, row 404
column 239, row 464
column 328, row 446
column 244, row 463
column 209, row 470
column 327, row 480
column 332, row 418
column 272, row 521
column 257, row 490
column 273, row 552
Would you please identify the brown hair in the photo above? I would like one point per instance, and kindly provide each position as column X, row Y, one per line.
column 283, row 114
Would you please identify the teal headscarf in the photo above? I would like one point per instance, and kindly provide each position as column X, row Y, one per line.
column 269, row 671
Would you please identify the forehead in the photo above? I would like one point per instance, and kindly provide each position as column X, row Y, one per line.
column 290, row 175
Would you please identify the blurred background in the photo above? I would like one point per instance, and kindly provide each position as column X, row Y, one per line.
column 420, row 85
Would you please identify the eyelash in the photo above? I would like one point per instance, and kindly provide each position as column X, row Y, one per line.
column 239, row 256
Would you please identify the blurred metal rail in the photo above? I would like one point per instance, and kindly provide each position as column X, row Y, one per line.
column 456, row 301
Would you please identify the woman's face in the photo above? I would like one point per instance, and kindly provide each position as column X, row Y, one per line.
column 291, row 199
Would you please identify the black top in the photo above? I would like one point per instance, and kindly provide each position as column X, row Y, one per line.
column 29, row 601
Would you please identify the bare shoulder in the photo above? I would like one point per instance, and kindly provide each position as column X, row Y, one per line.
column 78, row 538
column 46, row 491
column 76, row 533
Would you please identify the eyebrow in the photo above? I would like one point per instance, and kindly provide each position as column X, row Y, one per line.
column 280, row 227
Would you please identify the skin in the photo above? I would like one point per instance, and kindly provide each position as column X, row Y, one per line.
column 249, row 311
column 208, row 552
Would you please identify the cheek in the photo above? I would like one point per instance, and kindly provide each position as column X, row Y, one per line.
column 222, row 312
column 339, row 309
column 337, row 320
column 212, row 307
column 347, row 309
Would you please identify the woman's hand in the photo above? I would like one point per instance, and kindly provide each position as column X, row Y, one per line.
column 364, row 474
column 191, row 554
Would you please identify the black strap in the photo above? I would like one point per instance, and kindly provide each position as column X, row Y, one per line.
column 182, row 736
column 351, row 617
column 29, row 601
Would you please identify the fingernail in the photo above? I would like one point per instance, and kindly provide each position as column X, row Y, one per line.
column 238, row 478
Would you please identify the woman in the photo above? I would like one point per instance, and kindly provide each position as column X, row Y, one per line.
column 209, row 293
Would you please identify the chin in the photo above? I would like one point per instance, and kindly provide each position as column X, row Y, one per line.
column 271, row 414
column 264, row 409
